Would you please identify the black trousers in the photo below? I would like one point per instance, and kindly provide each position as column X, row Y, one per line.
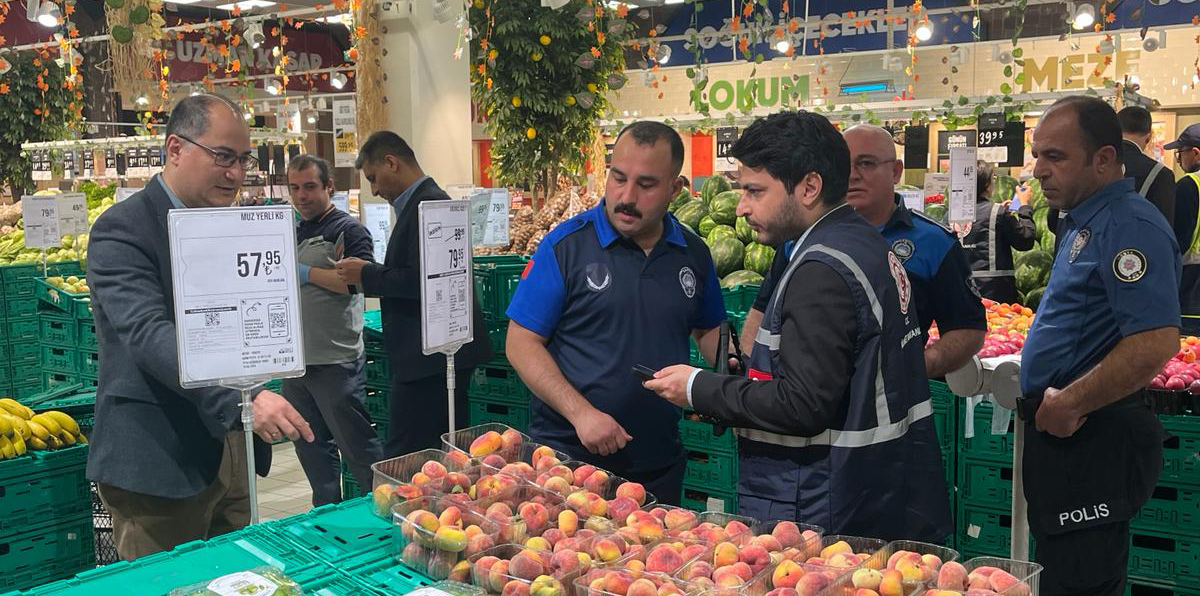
column 418, row 415
column 1082, row 492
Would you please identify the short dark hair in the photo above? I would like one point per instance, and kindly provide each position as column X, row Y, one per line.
column 381, row 144
column 189, row 117
column 983, row 177
column 791, row 145
column 1097, row 122
column 649, row 132
column 303, row 162
column 1135, row 120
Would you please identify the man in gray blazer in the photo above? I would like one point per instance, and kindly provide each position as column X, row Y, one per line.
column 170, row 462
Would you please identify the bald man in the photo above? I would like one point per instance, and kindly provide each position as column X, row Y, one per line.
column 937, row 265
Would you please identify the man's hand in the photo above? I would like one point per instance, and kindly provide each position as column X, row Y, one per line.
column 274, row 418
column 670, row 383
column 350, row 269
column 600, row 433
column 1057, row 416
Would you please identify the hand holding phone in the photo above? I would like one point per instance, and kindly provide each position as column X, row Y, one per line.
column 644, row 373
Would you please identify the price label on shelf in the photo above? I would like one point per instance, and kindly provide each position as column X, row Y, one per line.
column 341, row 200
column 41, row 221
column 446, row 291
column 68, row 163
column 89, row 164
column 489, row 217
column 962, row 184
column 377, row 218
column 237, row 313
column 72, row 214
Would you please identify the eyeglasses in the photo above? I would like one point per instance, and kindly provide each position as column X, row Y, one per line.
column 226, row 159
column 867, row 165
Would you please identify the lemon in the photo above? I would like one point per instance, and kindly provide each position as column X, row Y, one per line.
column 530, row 133
column 544, row 40
column 570, row 100
column 591, row 87
column 536, row 56
column 516, row 102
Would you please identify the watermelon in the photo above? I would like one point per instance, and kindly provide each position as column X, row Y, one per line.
column 1003, row 188
column 1047, row 242
column 691, row 213
column 1028, row 278
column 936, row 211
column 1037, row 197
column 758, row 258
column 741, row 278
column 1034, row 298
column 681, row 199
column 1039, row 259
column 723, row 207
column 727, row 254
column 713, row 186
column 720, row 231
column 744, row 232
column 1039, row 220
column 706, row 225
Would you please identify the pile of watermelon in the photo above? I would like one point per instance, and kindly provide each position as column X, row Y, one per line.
column 713, row 216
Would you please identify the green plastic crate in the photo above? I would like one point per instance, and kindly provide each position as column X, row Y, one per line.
column 497, row 335
column 695, row 358
column 1171, row 509
column 1163, row 557
column 80, row 404
column 193, row 562
column 334, row 533
column 484, row 409
column 24, row 352
column 350, row 487
column 21, row 288
column 50, row 380
column 336, row 583
column 3, row 331
column 89, row 363
column 498, row 379
column 60, row 360
column 86, row 334
column 10, row 273
column 1136, row 586
column 697, row 434
column 496, row 280
column 58, row 330
column 985, row 483
column 717, row 470
column 377, row 371
column 3, row 308
column 20, row 308
column 385, row 576
column 984, row 531
column 377, row 403
column 57, row 300
column 1181, row 453
column 24, row 390
column 43, row 485
column 64, row 269
column 700, row 498
column 5, row 373
column 984, row 445
column 89, row 382
column 47, row 553
column 23, row 330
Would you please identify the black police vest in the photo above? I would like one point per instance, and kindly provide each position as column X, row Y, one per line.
column 878, row 472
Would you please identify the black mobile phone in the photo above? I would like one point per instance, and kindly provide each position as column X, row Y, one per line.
column 644, row 373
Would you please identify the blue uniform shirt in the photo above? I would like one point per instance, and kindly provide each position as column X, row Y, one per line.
column 605, row 305
column 1116, row 274
column 937, row 266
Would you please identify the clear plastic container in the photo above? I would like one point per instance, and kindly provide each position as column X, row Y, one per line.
column 883, row 559
column 449, row 588
column 643, row 557
column 716, row 518
column 820, row 578
column 518, row 526
column 607, row 549
column 521, row 447
column 492, row 569
column 395, row 482
column 422, row 541
column 607, row 489
column 616, row 582
column 1026, row 574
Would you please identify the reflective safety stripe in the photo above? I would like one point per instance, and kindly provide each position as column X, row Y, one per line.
column 846, row 438
column 766, row 338
column 992, row 237
column 1191, row 255
column 991, row 274
column 1145, row 189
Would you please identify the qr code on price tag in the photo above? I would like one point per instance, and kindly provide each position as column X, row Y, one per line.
column 212, row 319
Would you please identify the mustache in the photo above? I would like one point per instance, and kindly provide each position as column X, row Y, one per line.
column 628, row 209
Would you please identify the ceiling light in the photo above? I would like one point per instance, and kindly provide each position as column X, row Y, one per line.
column 254, row 35
column 663, row 54
column 1158, row 40
column 246, row 5
column 338, row 80
column 675, row 1
column 141, row 100
column 310, row 116
column 1085, row 16
column 924, row 31
column 782, row 46
column 271, row 86
column 48, row 15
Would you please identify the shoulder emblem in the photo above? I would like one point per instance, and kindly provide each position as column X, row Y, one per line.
column 1077, row 245
column 1129, row 265
column 687, row 281
column 903, row 248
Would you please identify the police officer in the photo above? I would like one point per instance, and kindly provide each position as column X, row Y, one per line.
column 1107, row 324
column 834, row 417
column 623, row 284
column 994, row 234
column 943, row 290
column 1187, row 224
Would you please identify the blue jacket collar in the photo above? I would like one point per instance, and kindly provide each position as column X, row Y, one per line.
column 900, row 216
column 607, row 234
column 1085, row 211
column 402, row 200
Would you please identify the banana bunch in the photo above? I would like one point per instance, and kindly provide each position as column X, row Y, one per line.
column 21, row 430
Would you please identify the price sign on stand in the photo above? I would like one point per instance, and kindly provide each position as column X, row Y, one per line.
column 237, row 315
column 377, row 218
column 341, row 200
column 489, row 217
column 726, row 137
column 962, row 184
column 913, row 199
column 72, row 214
column 41, row 221
column 446, row 290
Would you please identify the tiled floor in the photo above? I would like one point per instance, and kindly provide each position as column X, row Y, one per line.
column 285, row 492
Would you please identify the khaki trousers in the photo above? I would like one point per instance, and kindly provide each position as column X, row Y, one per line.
column 145, row 524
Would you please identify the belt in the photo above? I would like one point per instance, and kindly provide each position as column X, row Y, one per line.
column 1027, row 407
column 993, row 274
